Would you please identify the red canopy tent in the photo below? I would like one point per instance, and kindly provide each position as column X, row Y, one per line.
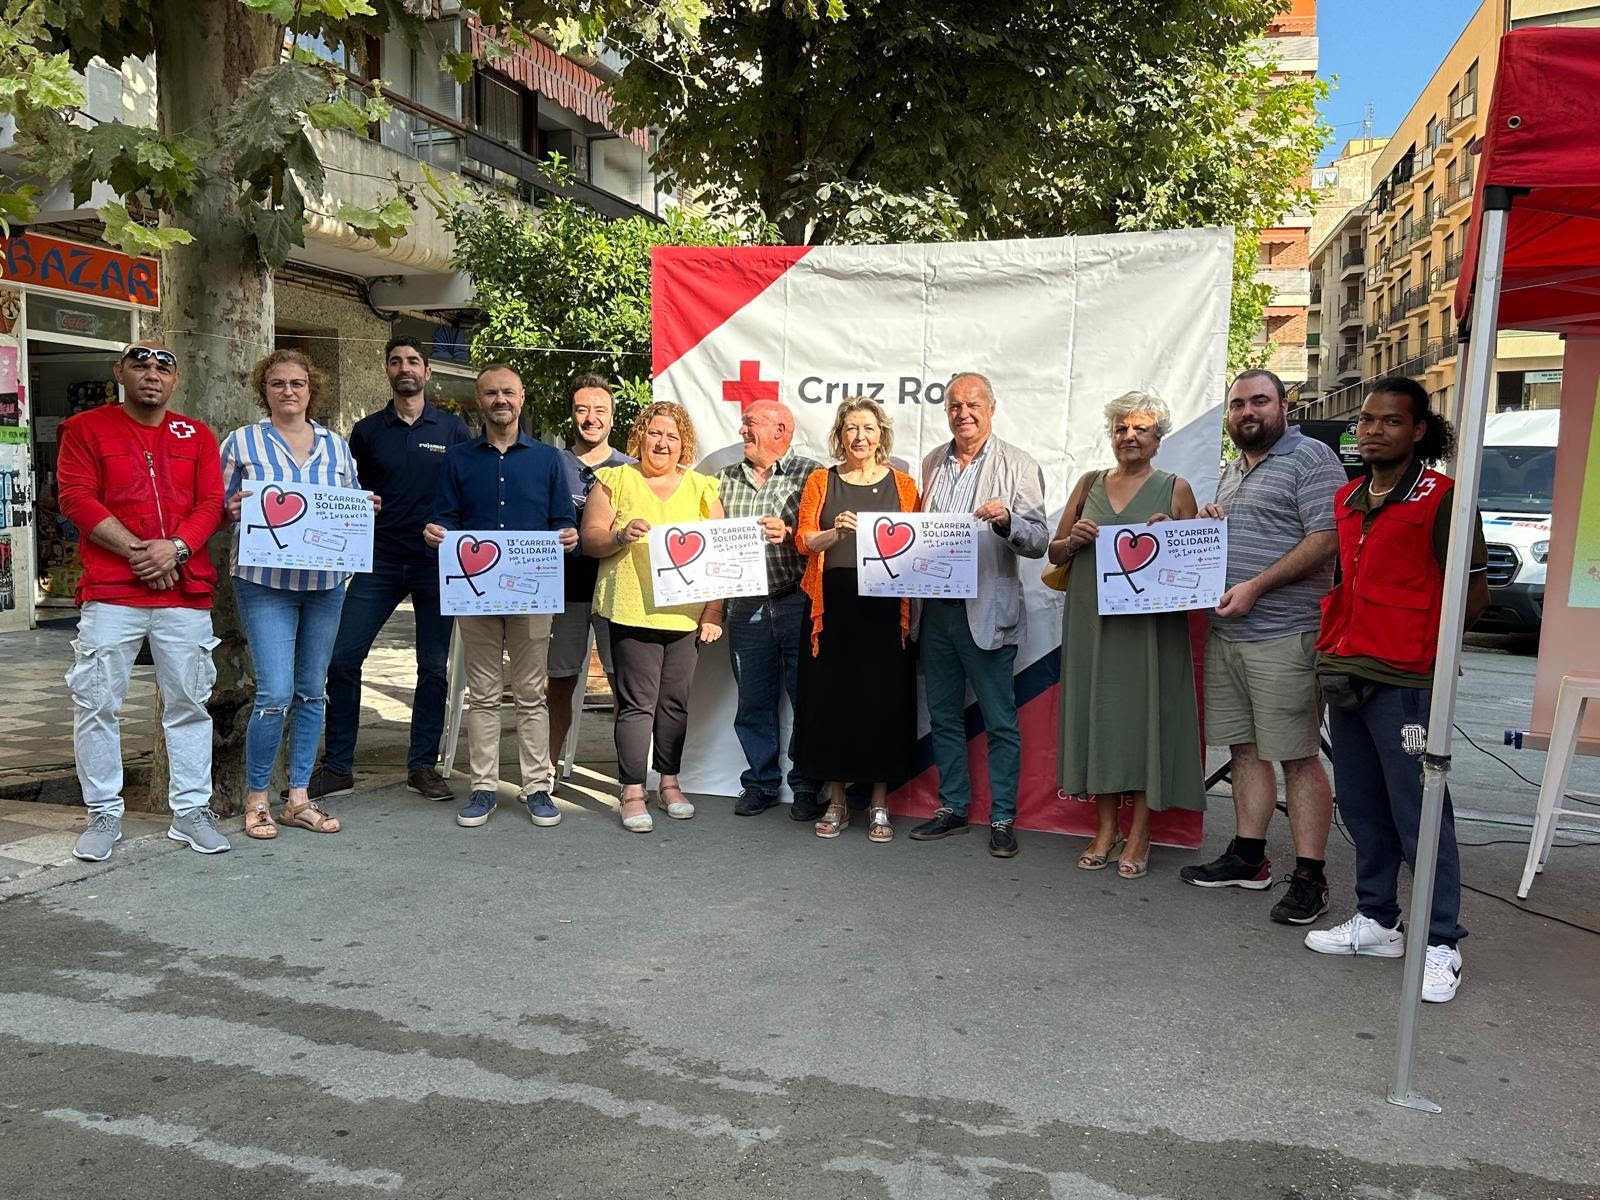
column 1543, row 142
column 1532, row 261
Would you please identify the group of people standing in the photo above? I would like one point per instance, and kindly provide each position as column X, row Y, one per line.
column 147, row 487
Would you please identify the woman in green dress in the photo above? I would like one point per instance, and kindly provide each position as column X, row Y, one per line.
column 1129, row 724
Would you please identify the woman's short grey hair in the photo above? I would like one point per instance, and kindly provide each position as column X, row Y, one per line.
column 1148, row 403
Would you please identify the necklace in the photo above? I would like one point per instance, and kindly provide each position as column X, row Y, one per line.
column 1375, row 494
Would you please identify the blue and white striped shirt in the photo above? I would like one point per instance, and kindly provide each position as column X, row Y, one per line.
column 257, row 454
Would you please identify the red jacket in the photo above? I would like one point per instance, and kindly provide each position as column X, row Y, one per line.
column 1390, row 593
column 160, row 482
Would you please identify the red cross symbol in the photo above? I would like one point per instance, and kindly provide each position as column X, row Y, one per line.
column 749, row 387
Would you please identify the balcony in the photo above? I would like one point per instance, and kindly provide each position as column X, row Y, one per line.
column 1440, row 212
column 1312, row 386
column 444, row 143
column 1458, row 189
column 1350, row 313
column 1452, row 267
column 1425, row 158
column 1350, row 362
column 1404, row 175
column 1421, row 233
column 1373, row 329
column 1414, row 298
column 1316, row 297
column 1463, row 109
column 1352, row 262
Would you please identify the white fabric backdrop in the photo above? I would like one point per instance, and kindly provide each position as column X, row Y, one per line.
column 1060, row 325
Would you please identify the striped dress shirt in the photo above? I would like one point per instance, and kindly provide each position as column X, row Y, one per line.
column 954, row 489
column 254, row 455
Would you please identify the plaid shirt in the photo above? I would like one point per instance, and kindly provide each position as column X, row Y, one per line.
column 778, row 497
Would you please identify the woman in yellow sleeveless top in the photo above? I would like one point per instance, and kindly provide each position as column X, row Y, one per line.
column 653, row 648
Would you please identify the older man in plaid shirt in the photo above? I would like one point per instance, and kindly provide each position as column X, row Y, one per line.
column 764, row 633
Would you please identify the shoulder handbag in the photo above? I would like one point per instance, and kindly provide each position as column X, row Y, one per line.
column 1056, row 574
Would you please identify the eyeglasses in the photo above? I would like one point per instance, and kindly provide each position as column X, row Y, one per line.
column 166, row 361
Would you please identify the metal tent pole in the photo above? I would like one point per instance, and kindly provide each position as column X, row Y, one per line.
column 1447, row 659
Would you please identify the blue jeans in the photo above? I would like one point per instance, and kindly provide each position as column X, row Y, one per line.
column 764, row 643
column 950, row 661
column 291, row 636
column 368, row 605
column 1377, row 778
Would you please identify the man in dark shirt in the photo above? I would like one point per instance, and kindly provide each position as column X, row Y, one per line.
column 592, row 404
column 399, row 452
column 505, row 480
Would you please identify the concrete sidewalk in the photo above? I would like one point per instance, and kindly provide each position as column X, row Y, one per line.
column 730, row 1007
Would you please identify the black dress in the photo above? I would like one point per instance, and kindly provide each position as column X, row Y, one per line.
column 856, row 719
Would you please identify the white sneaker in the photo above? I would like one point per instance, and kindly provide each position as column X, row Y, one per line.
column 1441, row 974
column 1359, row 935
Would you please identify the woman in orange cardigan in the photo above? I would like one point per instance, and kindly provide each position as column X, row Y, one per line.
column 856, row 707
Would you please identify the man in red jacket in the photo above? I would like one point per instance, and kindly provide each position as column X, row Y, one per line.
column 1380, row 628
column 144, row 487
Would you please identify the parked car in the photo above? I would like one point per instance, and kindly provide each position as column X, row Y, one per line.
column 1515, row 496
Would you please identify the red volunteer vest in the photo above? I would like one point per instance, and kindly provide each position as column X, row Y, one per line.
column 1390, row 593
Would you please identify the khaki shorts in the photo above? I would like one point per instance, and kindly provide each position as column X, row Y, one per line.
column 569, row 641
column 1264, row 692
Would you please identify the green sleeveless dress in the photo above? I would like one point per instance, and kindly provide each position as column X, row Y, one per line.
column 1129, row 721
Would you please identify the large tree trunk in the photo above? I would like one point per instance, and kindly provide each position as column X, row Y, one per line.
column 216, row 309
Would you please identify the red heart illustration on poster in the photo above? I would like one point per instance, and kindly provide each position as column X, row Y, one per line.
column 892, row 538
column 683, row 548
column 280, row 508
column 476, row 556
column 1136, row 551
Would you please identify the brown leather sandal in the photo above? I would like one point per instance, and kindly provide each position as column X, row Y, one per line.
column 258, row 821
column 878, row 827
column 834, row 820
column 309, row 816
column 1088, row 861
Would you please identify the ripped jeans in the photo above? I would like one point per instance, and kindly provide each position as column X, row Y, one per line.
column 181, row 643
column 291, row 639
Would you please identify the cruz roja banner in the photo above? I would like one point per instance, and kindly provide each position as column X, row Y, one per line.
column 1060, row 326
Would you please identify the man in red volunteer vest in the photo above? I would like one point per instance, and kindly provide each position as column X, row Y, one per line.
column 144, row 487
column 1380, row 625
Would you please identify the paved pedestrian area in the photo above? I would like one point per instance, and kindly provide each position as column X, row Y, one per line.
column 730, row 1007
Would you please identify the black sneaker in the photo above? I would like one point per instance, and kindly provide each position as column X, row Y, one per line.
column 1002, row 842
column 942, row 824
column 1230, row 871
column 807, row 806
column 1305, row 901
column 427, row 782
column 751, row 802
column 325, row 783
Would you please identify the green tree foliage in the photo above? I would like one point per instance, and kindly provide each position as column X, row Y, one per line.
column 259, row 146
column 881, row 121
column 565, row 277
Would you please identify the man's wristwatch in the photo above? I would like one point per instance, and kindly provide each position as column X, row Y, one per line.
column 184, row 552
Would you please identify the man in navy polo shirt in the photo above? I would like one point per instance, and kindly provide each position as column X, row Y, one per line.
column 399, row 452
column 505, row 480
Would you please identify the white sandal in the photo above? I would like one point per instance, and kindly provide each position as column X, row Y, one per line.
column 642, row 822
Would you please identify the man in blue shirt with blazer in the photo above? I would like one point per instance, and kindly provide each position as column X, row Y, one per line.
column 505, row 480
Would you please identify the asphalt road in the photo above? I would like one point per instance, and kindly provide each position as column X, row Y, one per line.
column 731, row 1008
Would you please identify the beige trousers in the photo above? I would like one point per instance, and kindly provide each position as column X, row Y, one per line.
column 487, row 642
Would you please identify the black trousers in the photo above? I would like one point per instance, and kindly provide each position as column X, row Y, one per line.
column 655, row 670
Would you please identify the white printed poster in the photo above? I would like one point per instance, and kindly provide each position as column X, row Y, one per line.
column 695, row 561
column 500, row 572
column 917, row 554
column 1170, row 566
column 306, row 527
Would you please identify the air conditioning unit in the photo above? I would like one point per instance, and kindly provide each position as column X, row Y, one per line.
column 449, row 8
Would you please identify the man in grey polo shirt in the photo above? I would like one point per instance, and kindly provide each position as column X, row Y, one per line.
column 1261, row 694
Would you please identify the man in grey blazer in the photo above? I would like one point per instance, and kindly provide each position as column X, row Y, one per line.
column 975, row 641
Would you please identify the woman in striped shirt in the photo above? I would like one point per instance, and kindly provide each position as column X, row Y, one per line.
column 290, row 616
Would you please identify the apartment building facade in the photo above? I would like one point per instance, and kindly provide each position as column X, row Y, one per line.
column 1283, row 261
column 1336, row 315
column 1415, row 231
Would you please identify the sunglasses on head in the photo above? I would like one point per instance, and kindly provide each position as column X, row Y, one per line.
column 139, row 355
